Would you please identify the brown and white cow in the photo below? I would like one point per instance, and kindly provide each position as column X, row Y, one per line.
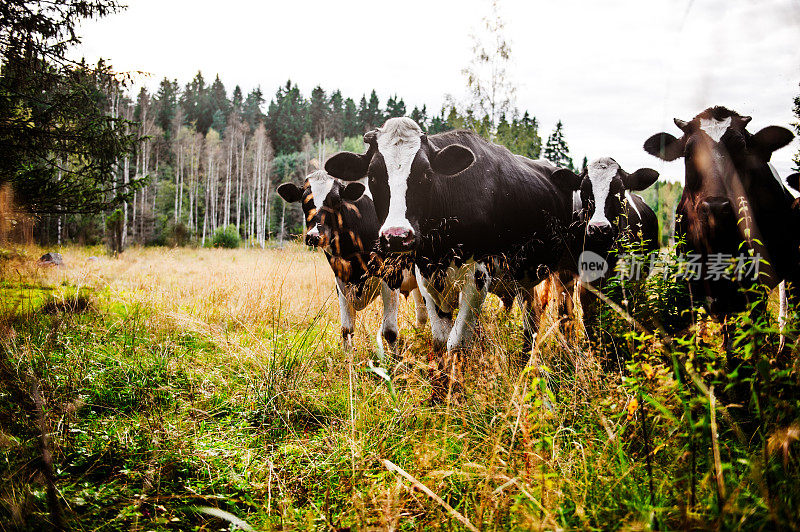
column 340, row 219
column 733, row 202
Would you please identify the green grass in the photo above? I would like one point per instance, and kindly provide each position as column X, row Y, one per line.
column 150, row 420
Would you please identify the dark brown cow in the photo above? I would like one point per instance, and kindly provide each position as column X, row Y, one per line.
column 733, row 203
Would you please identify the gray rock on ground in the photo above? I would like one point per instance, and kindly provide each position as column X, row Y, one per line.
column 51, row 259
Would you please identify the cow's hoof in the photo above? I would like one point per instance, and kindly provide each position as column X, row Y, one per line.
column 390, row 337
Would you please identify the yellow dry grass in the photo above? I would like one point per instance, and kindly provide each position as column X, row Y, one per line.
column 216, row 291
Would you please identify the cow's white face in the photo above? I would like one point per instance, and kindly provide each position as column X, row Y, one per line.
column 321, row 185
column 401, row 165
column 321, row 198
column 398, row 143
column 601, row 174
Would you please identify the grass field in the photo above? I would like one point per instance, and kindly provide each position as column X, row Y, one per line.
column 183, row 389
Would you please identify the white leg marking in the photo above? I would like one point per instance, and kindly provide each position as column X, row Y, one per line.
column 391, row 303
column 347, row 314
column 440, row 327
column 419, row 307
column 471, row 302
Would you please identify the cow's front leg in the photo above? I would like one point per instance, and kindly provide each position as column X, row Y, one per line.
column 476, row 286
column 441, row 319
column 420, row 308
column 347, row 314
column 391, row 304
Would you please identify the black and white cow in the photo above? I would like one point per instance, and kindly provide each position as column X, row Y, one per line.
column 472, row 214
column 341, row 220
column 606, row 211
column 733, row 202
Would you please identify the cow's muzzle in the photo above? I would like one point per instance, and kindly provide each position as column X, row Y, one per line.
column 599, row 230
column 716, row 207
column 397, row 239
column 314, row 237
column 312, row 240
column 716, row 213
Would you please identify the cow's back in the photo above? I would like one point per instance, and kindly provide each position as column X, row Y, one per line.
column 502, row 205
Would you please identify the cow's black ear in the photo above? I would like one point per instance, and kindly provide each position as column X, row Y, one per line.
column 794, row 181
column 640, row 179
column 353, row 191
column 452, row 159
column 347, row 166
column 664, row 146
column 770, row 139
column 290, row 192
column 566, row 179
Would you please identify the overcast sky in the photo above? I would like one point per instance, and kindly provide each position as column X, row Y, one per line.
column 614, row 71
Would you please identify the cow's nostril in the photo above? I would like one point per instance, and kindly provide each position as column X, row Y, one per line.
column 716, row 207
column 598, row 228
column 397, row 239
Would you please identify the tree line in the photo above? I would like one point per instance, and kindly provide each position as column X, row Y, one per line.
column 205, row 160
column 88, row 161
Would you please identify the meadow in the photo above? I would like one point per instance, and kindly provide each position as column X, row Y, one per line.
column 207, row 389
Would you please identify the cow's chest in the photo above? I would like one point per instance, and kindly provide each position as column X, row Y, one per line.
column 359, row 295
column 445, row 284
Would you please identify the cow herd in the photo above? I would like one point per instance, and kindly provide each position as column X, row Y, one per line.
column 451, row 217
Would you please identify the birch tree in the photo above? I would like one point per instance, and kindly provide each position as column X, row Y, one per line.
column 489, row 83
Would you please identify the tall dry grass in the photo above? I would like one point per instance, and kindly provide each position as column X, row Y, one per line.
column 219, row 377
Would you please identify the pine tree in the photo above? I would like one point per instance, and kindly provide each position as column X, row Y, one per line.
column 287, row 119
column 529, row 142
column 363, row 114
column 319, row 113
column 556, row 150
column 251, row 110
column 336, row 122
column 374, row 116
column 237, row 100
column 351, row 123
column 420, row 117
column 64, row 127
column 438, row 124
column 196, row 105
column 395, row 107
column 166, row 104
column 219, row 100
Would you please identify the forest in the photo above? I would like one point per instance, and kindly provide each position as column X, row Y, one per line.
column 203, row 160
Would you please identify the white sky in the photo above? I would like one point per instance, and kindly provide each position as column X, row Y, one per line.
column 614, row 71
